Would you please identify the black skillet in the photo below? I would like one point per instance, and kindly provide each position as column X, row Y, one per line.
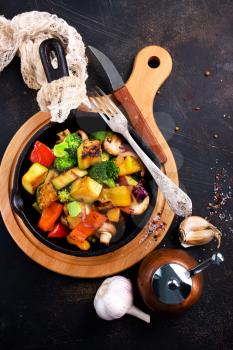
column 21, row 201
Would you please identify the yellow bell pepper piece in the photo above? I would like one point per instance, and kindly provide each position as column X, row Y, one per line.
column 128, row 165
column 85, row 245
column 113, row 214
column 120, row 196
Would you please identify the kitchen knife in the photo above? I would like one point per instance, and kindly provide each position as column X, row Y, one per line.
column 122, row 94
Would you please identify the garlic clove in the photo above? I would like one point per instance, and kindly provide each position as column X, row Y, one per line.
column 195, row 230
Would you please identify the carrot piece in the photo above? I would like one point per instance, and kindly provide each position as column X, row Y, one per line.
column 84, row 229
column 49, row 216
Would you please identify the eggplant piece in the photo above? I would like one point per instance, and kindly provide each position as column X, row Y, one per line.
column 67, row 178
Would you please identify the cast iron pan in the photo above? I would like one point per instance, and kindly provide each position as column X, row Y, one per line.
column 21, row 201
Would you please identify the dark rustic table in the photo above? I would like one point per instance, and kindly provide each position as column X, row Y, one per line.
column 42, row 310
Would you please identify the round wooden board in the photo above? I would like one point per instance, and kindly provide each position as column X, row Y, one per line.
column 143, row 85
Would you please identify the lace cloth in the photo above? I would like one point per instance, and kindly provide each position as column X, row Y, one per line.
column 23, row 36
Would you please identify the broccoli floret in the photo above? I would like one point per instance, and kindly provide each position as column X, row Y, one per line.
column 100, row 135
column 64, row 196
column 64, row 163
column 73, row 140
column 105, row 172
column 68, row 146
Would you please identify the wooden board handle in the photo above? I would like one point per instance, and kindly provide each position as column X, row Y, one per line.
column 139, row 122
column 151, row 68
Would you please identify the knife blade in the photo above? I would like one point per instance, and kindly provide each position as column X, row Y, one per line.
column 122, row 94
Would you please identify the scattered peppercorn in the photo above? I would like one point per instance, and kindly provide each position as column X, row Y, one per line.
column 207, row 73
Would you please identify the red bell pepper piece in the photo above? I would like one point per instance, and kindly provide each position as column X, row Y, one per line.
column 85, row 228
column 59, row 231
column 42, row 154
column 49, row 216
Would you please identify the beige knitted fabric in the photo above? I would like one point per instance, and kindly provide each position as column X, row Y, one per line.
column 23, row 35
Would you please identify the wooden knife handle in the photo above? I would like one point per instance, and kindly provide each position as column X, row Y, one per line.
column 139, row 122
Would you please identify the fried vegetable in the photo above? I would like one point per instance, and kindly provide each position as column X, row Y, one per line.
column 46, row 195
column 73, row 221
column 93, row 221
column 128, row 165
column 105, row 156
column 82, row 134
column 127, row 180
column 52, row 173
column 137, row 208
column 49, row 216
column 64, row 195
column 61, row 135
column 86, row 189
column 105, row 173
column 34, row 177
column 101, row 135
column 113, row 145
column 36, row 207
column 113, row 214
column 68, row 177
column 42, row 154
column 84, row 245
column 119, row 196
column 74, row 208
column 68, row 146
column 139, row 191
column 106, row 232
column 66, row 151
column 59, row 231
column 65, row 163
column 89, row 153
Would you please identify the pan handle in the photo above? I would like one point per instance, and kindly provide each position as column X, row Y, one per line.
column 49, row 49
column 17, row 202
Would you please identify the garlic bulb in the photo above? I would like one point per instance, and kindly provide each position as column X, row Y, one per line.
column 114, row 299
column 195, row 230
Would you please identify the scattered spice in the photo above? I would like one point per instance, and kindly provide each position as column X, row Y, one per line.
column 177, row 128
column 222, row 194
column 155, row 227
column 215, row 136
column 207, row 73
column 196, row 108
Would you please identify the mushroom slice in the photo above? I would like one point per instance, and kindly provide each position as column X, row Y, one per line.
column 106, row 232
column 61, row 135
column 82, row 134
column 135, row 207
column 113, row 145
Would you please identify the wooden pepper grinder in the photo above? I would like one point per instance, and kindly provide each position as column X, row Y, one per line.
column 170, row 280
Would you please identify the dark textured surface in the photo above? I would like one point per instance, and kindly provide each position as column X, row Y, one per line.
column 42, row 310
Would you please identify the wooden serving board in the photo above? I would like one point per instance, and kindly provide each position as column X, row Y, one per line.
column 143, row 85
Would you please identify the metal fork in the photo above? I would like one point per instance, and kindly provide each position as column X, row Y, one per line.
column 177, row 199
